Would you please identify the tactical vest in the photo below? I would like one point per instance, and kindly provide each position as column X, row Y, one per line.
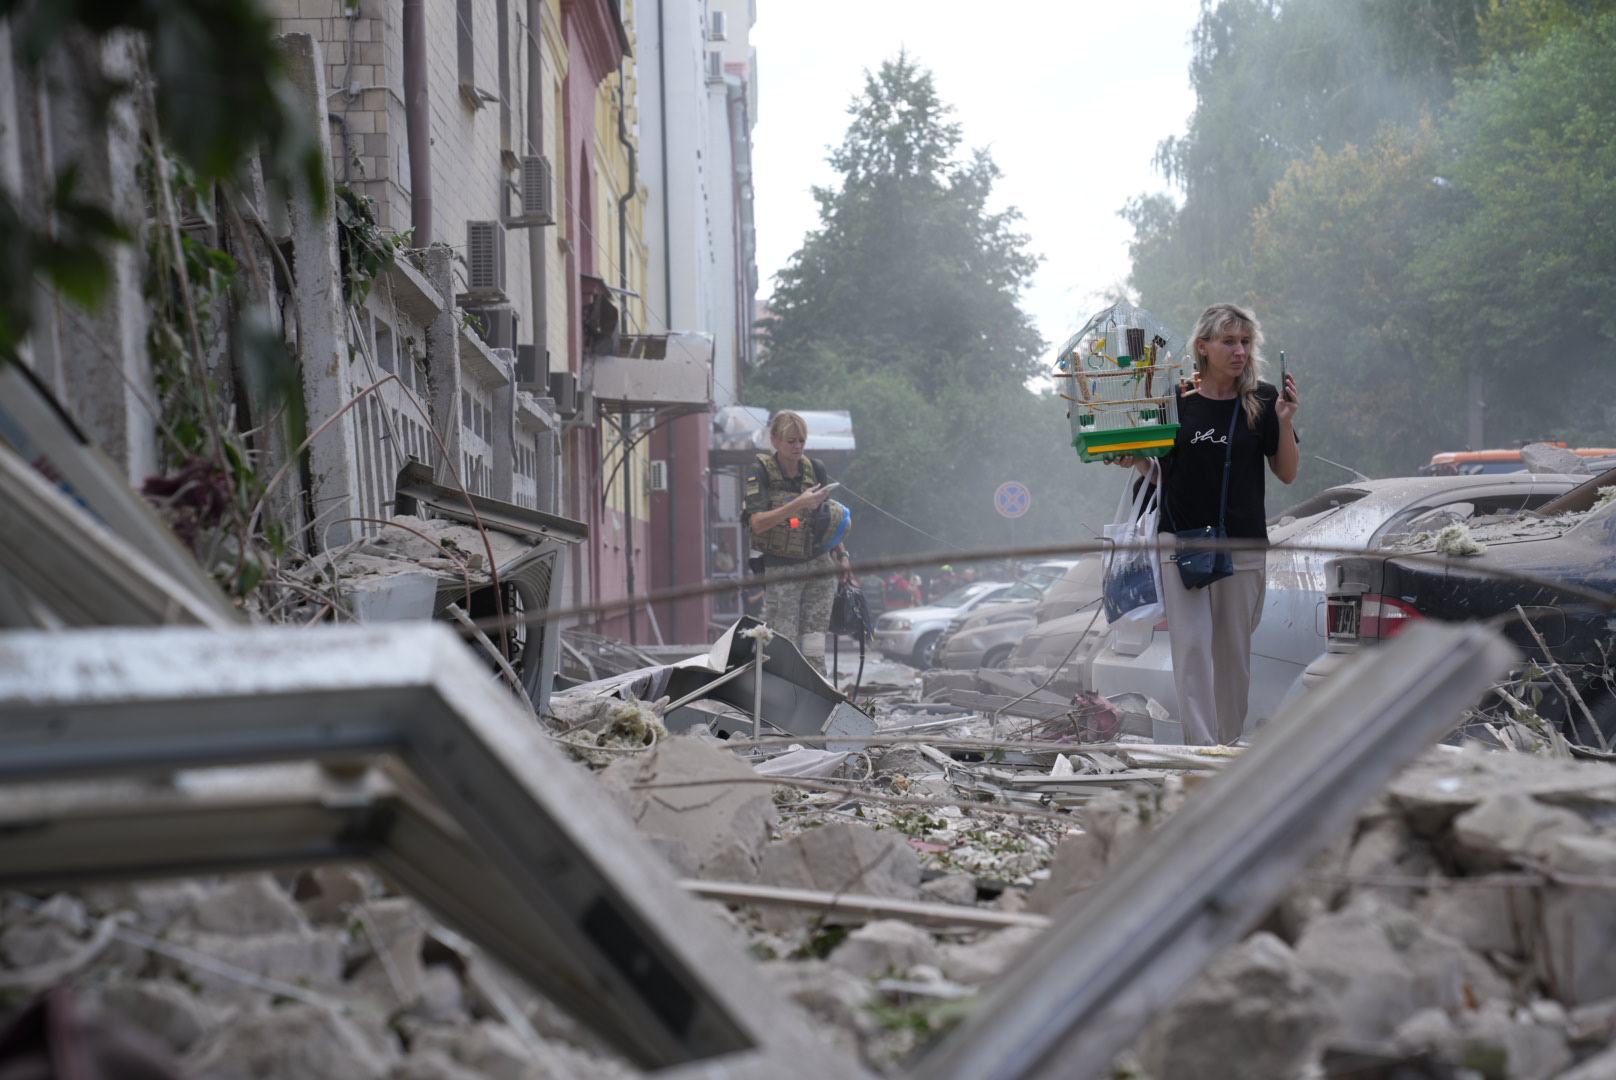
column 799, row 538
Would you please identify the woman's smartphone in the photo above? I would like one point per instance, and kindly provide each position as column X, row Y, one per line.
column 1284, row 387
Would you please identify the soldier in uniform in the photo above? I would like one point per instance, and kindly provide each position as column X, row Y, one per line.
column 785, row 497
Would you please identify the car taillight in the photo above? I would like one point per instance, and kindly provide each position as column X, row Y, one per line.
column 1384, row 617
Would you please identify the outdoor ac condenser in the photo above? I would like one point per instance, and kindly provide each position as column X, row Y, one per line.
column 496, row 325
column 485, row 260
column 658, row 478
column 536, row 190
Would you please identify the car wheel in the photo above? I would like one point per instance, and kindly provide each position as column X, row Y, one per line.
column 926, row 649
column 999, row 657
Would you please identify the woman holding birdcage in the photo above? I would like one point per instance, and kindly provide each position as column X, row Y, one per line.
column 1230, row 423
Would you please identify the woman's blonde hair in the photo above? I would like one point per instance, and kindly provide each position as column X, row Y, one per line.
column 784, row 422
column 1214, row 321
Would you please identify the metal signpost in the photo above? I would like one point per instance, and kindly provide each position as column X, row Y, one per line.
column 1011, row 500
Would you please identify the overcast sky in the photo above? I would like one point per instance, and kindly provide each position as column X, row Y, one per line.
column 1070, row 96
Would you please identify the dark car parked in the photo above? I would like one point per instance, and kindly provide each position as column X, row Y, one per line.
column 1548, row 579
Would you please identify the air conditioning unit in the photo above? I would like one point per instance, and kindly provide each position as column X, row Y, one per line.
column 715, row 66
column 537, row 193
column 532, row 374
column 496, row 325
column 563, row 386
column 658, row 478
column 720, row 27
column 485, row 260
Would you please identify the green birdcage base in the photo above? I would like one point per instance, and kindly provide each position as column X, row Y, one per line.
column 1154, row 441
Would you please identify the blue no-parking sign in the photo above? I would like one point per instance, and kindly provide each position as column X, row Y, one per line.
column 1012, row 499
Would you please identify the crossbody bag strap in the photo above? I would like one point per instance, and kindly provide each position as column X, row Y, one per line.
column 1228, row 459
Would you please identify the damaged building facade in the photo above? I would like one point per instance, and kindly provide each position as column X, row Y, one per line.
column 563, row 185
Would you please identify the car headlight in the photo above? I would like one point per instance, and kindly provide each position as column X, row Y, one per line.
column 900, row 624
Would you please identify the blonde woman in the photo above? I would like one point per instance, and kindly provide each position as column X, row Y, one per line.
column 1211, row 626
column 783, row 490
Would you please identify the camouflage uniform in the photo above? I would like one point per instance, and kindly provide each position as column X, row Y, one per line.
column 797, row 610
column 800, row 610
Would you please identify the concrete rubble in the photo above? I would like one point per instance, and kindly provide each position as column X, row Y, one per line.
column 1463, row 929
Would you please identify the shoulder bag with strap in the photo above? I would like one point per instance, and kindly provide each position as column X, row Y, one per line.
column 1211, row 561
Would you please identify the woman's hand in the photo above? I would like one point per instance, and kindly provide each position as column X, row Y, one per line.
column 811, row 499
column 1128, row 461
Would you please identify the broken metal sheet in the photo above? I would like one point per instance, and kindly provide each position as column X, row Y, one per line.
column 65, row 568
column 483, row 819
column 796, row 697
column 1125, row 947
column 415, row 483
column 47, row 546
column 381, row 576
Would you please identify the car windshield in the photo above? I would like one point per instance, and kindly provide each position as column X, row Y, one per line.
column 1024, row 590
column 961, row 596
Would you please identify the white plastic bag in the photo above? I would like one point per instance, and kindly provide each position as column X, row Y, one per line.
column 1133, row 590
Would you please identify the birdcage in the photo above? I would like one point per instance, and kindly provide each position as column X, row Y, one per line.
column 1119, row 373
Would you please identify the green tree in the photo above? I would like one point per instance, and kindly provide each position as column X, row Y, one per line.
column 1527, row 274
column 902, row 307
column 1274, row 83
column 1333, row 290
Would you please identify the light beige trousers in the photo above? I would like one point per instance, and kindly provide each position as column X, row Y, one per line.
column 1210, row 631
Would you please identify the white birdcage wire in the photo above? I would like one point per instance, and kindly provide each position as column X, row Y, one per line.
column 1119, row 372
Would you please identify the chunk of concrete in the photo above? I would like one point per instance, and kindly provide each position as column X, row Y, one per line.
column 1487, row 920
column 394, row 929
column 1602, row 1066
column 1351, row 956
column 957, row 889
column 175, row 1014
column 327, row 893
column 715, row 831
column 1115, row 826
column 1254, row 1011
column 1525, row 1051
column 1508, row 825
column 1548, row 458
column 292, row 1042
column 1387, row 848
column 830, row 995
column 1579, row 924
column 840, row 858
column 885, row 947
column 989, row 956
column 248, row 904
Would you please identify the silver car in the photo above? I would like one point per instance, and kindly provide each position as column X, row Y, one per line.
column 1138, row 659
column 910, row 635
column 987, row 636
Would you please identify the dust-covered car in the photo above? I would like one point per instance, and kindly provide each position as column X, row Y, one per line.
column 984, row 637
column 910, row 635
column 1347, row 517
column 1539, row 577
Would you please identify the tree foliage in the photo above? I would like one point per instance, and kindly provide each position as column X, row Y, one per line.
column 1409, row 193
column 902, row 307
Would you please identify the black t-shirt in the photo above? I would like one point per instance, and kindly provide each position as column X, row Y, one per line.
column 1194, row 469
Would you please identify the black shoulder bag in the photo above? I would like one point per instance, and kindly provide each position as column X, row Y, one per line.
column 1201, row 567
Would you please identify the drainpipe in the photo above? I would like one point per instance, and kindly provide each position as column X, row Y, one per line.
column 418, row 122
column 622, row 283
column 537, row 262
column 667, row 292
